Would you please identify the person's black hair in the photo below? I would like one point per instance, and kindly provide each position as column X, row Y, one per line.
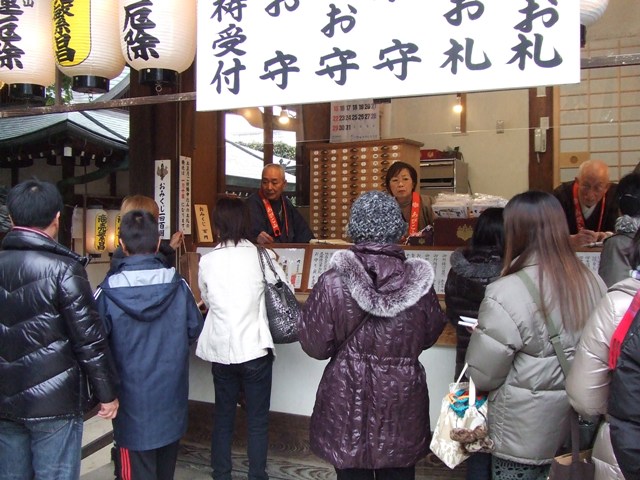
column 231, row 220
column 489, row 229
column 139, row 232
column 34, row 203
column 628, row 194
column 394, row 170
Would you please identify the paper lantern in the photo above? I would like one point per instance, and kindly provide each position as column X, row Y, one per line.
column 96, row 231
column 113, row 230
column 591, row 11
column 158, row 37
column 86, row 45
column 27, row 61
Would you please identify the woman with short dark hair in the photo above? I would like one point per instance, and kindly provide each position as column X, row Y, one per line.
column 473, row 268
column 401, row 182
column 236, row 337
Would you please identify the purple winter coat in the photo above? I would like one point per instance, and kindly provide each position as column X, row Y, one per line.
column 372, row 404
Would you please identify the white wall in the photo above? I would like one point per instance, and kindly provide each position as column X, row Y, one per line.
column 498, row 162
column 296, row 377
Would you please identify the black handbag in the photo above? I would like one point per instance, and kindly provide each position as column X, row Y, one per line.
column 283, row 309
column 576, row 465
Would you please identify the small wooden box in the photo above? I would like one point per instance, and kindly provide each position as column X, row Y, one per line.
column 453, row 232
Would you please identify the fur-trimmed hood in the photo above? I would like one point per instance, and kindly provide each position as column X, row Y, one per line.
column 381, row 279
column 476, row 264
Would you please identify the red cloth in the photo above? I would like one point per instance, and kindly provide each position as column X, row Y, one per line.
column 621, row 331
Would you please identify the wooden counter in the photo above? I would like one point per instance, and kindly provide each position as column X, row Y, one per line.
column 304, row 263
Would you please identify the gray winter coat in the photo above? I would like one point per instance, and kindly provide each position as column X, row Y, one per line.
column 372, row 404
column 589, row 380
column 614, row 259
column 511, row 357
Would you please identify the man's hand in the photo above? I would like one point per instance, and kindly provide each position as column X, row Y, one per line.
column 263, row 238
column 108, row 411
column 602, row 236
column 583, row 237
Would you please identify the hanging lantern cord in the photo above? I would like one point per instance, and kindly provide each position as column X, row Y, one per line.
column 158, row 88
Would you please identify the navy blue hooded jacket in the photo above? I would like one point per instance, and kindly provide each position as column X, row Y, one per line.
column 151, row 318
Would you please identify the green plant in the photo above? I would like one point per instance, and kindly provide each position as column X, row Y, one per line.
column 66, row 93
column 280, row 149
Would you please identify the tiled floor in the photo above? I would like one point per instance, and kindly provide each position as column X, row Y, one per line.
column 289, row 457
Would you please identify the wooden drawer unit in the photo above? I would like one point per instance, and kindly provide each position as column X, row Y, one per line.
column 340, row 172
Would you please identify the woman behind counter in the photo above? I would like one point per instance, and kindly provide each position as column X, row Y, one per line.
column 373, row 312
column 401, row 182
column 510, row 354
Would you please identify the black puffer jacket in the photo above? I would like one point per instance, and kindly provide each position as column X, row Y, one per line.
column 372, row 405
column 51, row 337
column 471, row 271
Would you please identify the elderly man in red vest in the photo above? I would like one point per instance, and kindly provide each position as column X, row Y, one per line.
column 589, row 203
column 274, row 219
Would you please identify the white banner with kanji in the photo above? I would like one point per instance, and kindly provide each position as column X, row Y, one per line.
column 284, row 52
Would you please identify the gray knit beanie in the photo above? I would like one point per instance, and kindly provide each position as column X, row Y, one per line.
column 376, row 217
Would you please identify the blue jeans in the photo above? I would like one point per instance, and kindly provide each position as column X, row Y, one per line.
column 254, row 377
column 48, row 449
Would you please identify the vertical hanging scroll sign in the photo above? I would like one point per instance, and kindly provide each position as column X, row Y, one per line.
column 163, row 196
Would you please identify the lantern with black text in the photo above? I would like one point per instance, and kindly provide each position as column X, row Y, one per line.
column 86, row 43
column 158, row 38
column 96, row 231
column 26, row 57
column 113, row 230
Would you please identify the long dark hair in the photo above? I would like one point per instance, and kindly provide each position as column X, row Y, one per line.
column 536, row 232
column 231, row 220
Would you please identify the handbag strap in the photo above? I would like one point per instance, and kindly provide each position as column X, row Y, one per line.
column 266, row 258
column 554, row 335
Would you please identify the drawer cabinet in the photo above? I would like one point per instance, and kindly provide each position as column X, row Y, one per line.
column 340, row 172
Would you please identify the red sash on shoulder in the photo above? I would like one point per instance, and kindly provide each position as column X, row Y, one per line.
column 621, row 331
column 415, row 213
column 271, row 216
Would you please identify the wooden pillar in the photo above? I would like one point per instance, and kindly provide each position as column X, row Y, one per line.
column 540, row 163
column 316, row 124
column 166, row 131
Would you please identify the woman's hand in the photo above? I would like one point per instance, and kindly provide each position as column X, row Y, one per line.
column 176, row 240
